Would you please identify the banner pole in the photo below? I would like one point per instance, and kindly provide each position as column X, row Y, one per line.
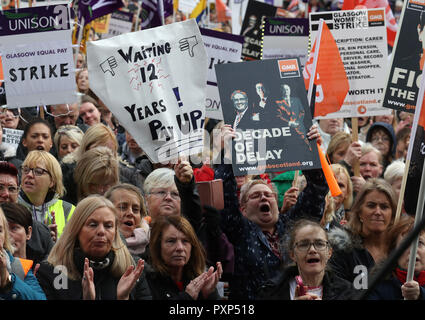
column 139, row 8
column 316, row 55
column 355, row 135
column 418, row 217
column 421, row 196
column 80, row 36
column 418, row 110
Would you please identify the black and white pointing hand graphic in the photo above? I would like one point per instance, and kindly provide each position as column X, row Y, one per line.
column 109, row 65
column 188, row 44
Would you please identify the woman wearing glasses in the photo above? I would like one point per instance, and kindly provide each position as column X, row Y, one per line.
column 382, row 136
column 309, row 278
column 41, row 190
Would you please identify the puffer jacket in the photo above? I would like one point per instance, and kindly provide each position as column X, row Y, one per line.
column 349, row 256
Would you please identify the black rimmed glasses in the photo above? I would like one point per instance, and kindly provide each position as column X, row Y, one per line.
column 319, row 245
column 36, row 171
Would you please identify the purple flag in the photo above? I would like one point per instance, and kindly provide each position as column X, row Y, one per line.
column 151, row 12
column 92, row 9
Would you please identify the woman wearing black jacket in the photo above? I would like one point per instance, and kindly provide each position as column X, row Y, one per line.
column 310, row 278
column 90, row 261
column 178, row 261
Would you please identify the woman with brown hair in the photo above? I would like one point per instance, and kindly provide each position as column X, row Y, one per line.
column 178, row 260
column 362, row 242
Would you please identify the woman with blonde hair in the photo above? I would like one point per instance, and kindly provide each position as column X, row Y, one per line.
column 17, row 281
column 67, row 139
column 338, row 146
column 91, row 260
column 344, row 201
column 133, row 221
column 42, row 190
column 96, row 172
column 95, row 136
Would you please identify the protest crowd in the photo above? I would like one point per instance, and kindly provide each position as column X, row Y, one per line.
column 87, row 213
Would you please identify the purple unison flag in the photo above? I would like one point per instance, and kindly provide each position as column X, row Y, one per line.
column 92, row 9
column 151, row 12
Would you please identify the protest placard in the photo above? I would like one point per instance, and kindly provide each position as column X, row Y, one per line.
column 37, row 56
column 120, row 22
column 221, row 48
column 285, row 38
column 251, row 28
column 266, row 103
column 11, row 137
column 154, row 82
column 2, row 89
column 100, row 25
column 407, row 60
column 362, row 43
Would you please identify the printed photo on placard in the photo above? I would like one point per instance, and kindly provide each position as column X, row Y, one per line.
column 266, row 103
column 251, row 28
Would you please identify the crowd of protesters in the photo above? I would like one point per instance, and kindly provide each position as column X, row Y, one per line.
column 85, row 214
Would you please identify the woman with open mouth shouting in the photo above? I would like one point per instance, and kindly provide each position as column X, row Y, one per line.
column 310, row 278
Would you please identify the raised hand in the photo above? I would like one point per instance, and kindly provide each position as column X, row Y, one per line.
column 184, row 171
column 87, row 283
column 410, row 290
column 313, row 133
column 211, row 281
column 129, row 279
column 195, row 286
column 53, row 227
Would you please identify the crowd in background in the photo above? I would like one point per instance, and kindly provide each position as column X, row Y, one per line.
column 87, row 215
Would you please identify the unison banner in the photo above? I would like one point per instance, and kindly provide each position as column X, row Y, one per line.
column 37, row 56
column 361, row 38
column 407, row 59
column 285, row 38
column 154, row 82
column 221, row 48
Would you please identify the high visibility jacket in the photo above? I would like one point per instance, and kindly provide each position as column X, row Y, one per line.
column 21, row 267
column 63, row 211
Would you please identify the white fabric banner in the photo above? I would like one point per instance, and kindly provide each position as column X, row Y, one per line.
column 154, row 82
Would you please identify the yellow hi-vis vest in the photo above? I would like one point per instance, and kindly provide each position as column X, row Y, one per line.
column 63, row 212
